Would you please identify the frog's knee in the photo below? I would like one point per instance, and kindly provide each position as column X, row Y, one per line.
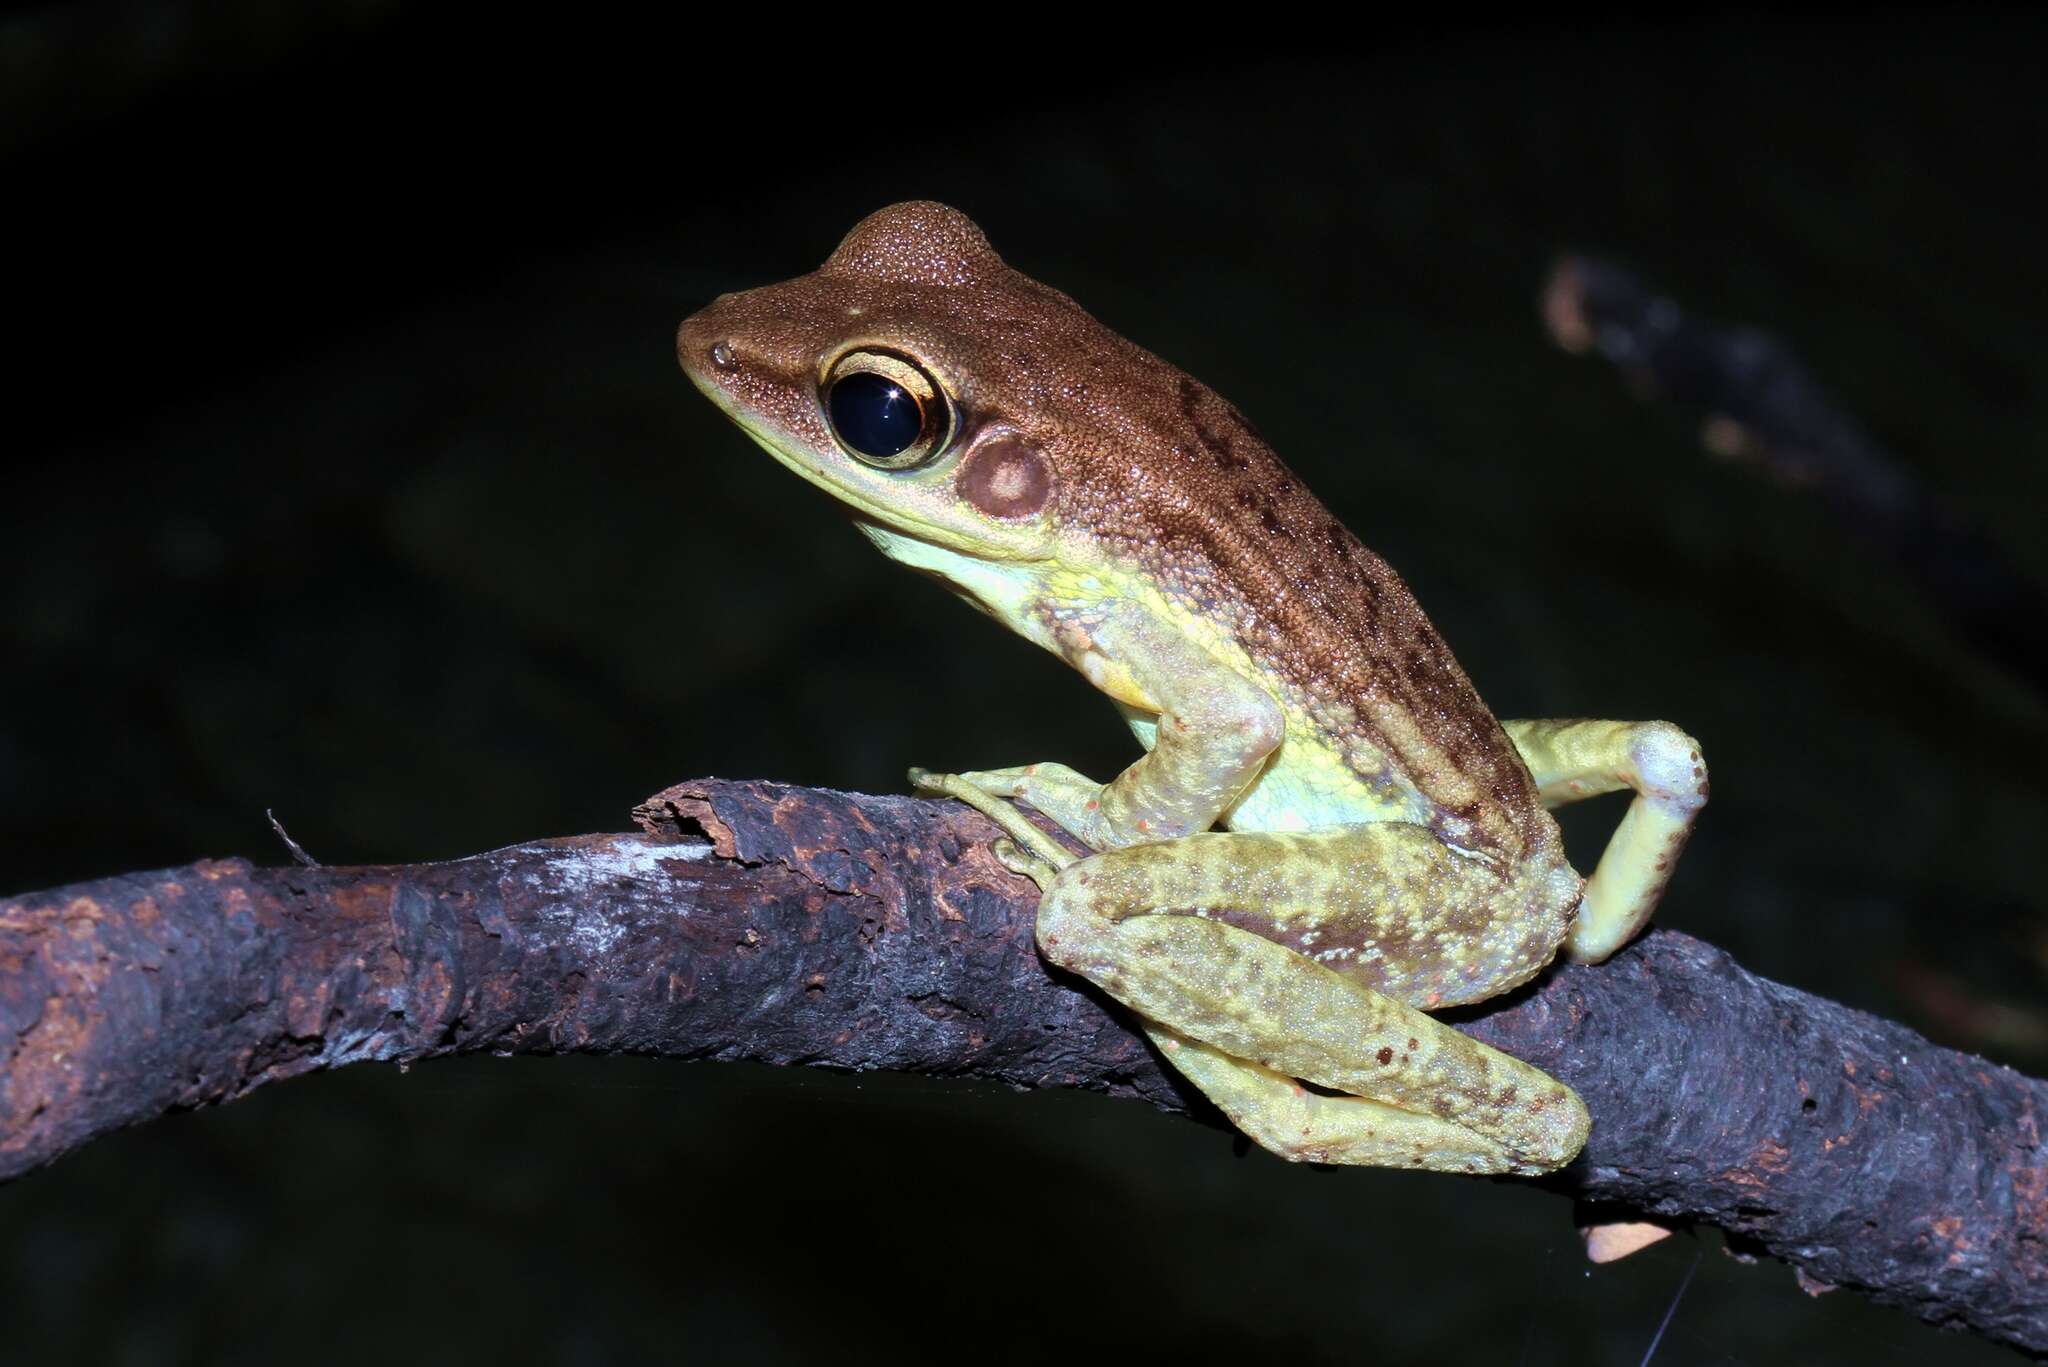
column 1556, row 1129
column 1071, row 934
column 1669, row 765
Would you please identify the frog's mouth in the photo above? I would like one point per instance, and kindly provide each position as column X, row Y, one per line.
column 875, row 518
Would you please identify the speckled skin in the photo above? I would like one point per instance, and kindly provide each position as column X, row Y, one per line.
column 1383, row 843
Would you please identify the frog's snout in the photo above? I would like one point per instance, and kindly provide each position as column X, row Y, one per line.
column 704, row 347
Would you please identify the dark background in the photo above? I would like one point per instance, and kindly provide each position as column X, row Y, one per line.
column 354, row 478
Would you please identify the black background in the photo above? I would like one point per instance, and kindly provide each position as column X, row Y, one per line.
column 354, row 478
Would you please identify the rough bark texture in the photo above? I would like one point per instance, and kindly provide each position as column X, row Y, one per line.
column 864, row 933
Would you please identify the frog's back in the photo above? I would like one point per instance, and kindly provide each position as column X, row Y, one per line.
column 1331, row 622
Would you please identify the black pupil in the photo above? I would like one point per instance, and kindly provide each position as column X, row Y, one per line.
column 874, row 415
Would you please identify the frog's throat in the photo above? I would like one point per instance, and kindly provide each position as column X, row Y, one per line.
column 1015, row 592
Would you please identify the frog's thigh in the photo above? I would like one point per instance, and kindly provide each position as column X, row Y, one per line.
column 1576, row 759
column 1143, row 923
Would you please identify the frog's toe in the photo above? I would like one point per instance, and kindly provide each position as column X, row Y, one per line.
column 974, row 787
column 997, row 809
column 964, row 787
column 1019, row 861
column 1002, row 782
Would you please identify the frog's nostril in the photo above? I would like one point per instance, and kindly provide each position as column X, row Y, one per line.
column 723, row 356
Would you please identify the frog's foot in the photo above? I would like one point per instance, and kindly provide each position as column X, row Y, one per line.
column 1040, row 857
column 1071, row 799
column 1571, row 760
column 1305, row 1126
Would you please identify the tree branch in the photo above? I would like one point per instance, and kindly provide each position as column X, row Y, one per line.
column 866, row 933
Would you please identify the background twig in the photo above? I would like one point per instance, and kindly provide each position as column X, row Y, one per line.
column 1758, row 402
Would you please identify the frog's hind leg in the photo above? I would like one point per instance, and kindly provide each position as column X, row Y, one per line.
column 1577, row 759
column 1304, row 1125
column 1244, row 1016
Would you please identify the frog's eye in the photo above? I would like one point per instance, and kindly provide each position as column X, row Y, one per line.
column 886, row 410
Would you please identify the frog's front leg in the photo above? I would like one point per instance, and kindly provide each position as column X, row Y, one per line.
column 1259, row 958
column 1214, row 733
column 1662, row 765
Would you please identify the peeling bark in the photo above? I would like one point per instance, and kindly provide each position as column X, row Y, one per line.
column 792, row 926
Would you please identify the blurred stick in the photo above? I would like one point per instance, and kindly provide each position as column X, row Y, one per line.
column 1758, row 403
column 794, row 926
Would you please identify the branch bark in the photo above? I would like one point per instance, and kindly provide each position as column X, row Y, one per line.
column 794, row 926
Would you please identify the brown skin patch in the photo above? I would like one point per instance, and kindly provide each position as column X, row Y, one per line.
column 1005, row 477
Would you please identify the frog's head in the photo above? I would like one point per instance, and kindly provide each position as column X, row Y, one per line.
column 939, row 394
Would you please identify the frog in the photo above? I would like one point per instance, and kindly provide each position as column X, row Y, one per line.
column 1327, row 836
